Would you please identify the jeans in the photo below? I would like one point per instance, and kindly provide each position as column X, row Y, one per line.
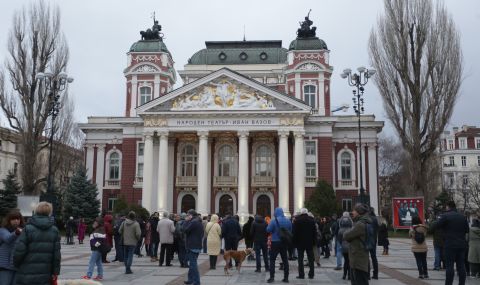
column 138, row 247
column 421, row 259
column 346, row 265
column 168, row 248
column 231, row 244
column 338, row 251
column 438, row 257
column 128, row 256
column 182, row 254
column 95, row 259
column 261, row 246
column 193, row 274
column 7, row 277
column 154, row 249
column 455, row 255
column 276, row 248
column 118, row 249
column 310, row 257
column 204, row 245
column 373, row 256
column 359, row 277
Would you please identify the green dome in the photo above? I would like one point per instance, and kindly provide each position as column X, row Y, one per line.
column 149, row 46
column 307, row 44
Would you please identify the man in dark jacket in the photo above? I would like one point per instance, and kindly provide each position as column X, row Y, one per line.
column 438, row 246
column 154, row 237
column 193, row 230
column 246, row 235
column 304, row 235
column 373, row 251
column 455, row 227
column 117, row 238
column 258, row 232
column 37, row 254
column 70, row 230
column 280, row 221
column 357, row 252
column 232, row 233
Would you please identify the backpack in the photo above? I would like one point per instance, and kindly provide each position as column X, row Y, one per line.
column 369, row 237
column 419, row 237
column 284, row 234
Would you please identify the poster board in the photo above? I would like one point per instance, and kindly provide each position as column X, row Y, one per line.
column 404, row 208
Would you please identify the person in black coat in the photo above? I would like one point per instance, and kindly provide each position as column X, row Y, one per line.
column 258, row 232
column 455, row 227
column 154, row 237
column 193, row 229
column 304, row 235
column 246, row 235
column 232, row 233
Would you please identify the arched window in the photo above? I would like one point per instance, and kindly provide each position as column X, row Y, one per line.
column 114, row 171
column 346, row 166
column 226, row 161
column 309, row 95
column 189, row 161
column 263, row 161
column 188, row 202
column 145, row 95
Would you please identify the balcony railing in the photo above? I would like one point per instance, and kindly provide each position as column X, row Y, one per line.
column 113, row 183
column 186, row 181
column 225, row 181
column 263, row 181
column 310, row 179
column 139, row 180
column 346, row 183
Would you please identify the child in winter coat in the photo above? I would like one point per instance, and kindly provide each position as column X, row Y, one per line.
column 97, row 241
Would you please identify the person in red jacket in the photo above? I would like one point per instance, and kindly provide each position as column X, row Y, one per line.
column 107, row 221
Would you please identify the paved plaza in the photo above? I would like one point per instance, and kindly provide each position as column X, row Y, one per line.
column 397, row 268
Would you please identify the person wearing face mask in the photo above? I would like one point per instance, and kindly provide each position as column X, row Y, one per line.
column 9, row 232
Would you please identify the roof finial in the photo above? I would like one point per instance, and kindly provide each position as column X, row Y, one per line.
column 244, row 33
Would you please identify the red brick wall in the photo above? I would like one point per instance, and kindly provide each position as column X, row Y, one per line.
column 324, row 158
column 129, row 160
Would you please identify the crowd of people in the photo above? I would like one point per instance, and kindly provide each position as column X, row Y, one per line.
column 30, row 253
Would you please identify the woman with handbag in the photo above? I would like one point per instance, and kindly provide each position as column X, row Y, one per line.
column 37, row 253
column 99, row 246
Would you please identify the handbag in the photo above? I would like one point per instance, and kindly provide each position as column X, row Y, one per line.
column 104, row 248
column 285, row 235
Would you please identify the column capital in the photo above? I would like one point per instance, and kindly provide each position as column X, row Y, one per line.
column 242, row 134
column 203, row 134
column 299, row 134
column 283, row 133
column 148, row 136
column 101, row 147
column 162, row 134
column 89, row 146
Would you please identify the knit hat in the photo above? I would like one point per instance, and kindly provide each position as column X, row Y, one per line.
column 362, row 209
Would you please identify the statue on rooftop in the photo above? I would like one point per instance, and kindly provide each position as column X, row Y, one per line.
column 153, row 33
column 305, row 31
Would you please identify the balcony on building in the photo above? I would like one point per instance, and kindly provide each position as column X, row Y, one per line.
column 186, row 181
column 225, row 181
column 263, row 181
column 113, row 183
column 347, row 183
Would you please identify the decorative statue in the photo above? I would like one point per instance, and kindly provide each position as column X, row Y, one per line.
column 305, row 31
column 153, row 33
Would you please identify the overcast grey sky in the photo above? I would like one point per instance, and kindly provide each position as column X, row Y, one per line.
column 99, row 33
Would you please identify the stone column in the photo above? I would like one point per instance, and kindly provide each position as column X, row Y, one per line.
column 89, row 160
column 202, row 172
column 100, row 171
column 148, row 173
column 283, row 177
column 133, row 94
column 242, row 207
column 162, row 183
column 372, row 176
column 299, row 172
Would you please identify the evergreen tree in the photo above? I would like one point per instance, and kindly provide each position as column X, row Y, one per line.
column 81, row 198
column 323, row 201
column 8, row 197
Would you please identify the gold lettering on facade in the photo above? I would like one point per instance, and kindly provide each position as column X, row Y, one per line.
column 155, row 122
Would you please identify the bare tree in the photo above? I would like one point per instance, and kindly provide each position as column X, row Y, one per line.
column 415, row 49
column 35, row 44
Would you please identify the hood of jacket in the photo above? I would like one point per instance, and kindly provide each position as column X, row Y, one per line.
column 363, row 218
column 259, row 219
column 214, row 219
column 41, row 222
column 279, row 212
column 129, row 222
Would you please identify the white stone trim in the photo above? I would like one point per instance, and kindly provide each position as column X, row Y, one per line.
column 353, row 166
column 107, row 163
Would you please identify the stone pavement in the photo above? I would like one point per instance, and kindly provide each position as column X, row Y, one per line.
column 397, row 268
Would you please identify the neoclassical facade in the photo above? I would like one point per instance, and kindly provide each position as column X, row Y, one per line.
column 251, row 129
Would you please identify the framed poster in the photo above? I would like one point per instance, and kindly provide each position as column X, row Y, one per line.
column 404, row 209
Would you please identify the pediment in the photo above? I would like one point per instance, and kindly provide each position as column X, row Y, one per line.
column 224, row 91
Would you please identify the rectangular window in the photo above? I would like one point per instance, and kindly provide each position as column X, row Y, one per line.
column 347, row 205
column 310, row 148
column 451, row 161
column 450, row 144
column 311, row 170
column 477, row 143
column 15, row 169
column 141, row 148
column 465, row 180
column 145, row 95
column 309, row 94
column 450, row 179
column 464, row 160
column 463, row 143
column 140, row 170
column 111, row 203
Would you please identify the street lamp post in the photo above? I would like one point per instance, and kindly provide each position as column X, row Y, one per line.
column 359, row 80
column 54, row 84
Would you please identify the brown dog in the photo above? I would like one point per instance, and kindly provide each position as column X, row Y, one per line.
column 237, row 255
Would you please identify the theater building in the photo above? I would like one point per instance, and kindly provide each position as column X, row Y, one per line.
column 251, row 129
